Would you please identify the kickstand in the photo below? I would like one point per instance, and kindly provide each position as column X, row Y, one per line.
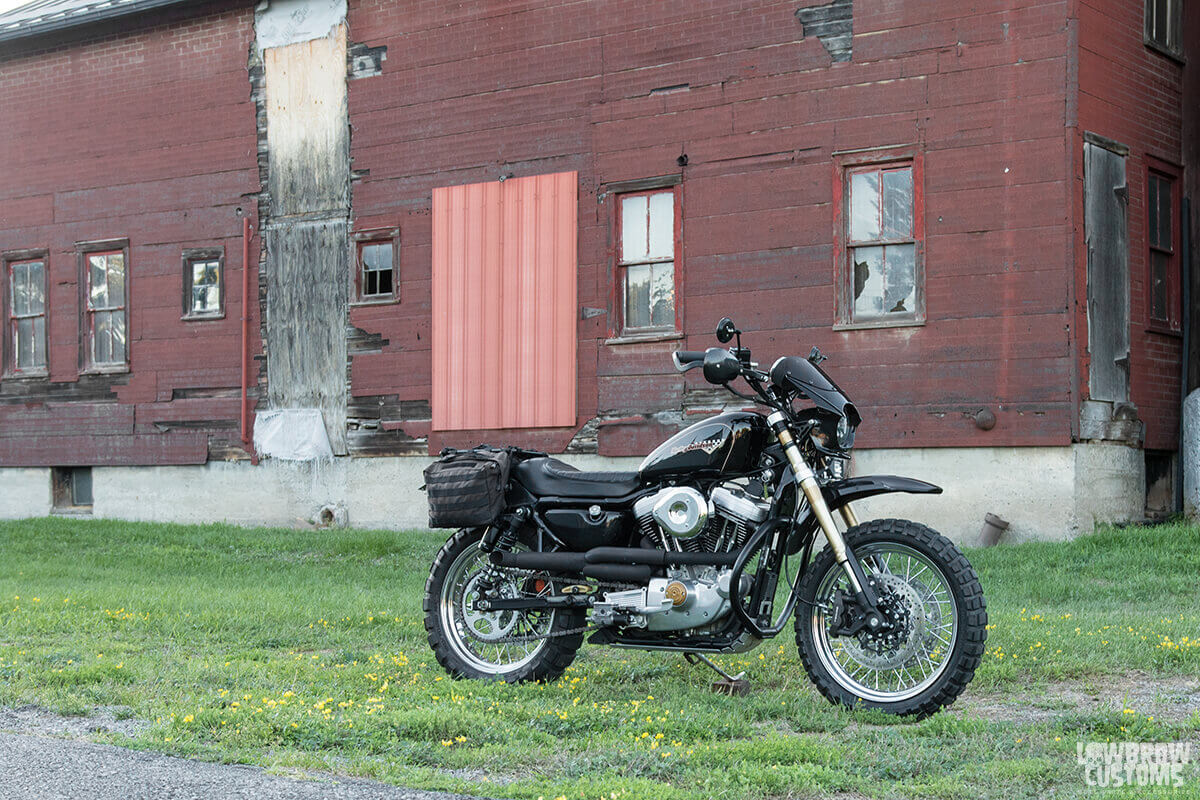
column 732, row 685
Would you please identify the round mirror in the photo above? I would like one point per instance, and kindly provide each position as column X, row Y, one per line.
column 725, row 330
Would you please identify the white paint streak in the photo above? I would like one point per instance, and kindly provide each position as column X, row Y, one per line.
column 282, row 22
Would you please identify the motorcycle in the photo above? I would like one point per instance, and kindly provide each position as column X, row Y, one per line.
column 709, row 548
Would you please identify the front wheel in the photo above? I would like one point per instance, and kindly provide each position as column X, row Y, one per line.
column 930, row 593
column 513, row 646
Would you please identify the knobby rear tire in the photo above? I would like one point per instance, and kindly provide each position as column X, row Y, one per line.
column 547, row 664
column 968, row 647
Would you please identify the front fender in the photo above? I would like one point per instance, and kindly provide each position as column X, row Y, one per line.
column 848, row 490
column 838, row 494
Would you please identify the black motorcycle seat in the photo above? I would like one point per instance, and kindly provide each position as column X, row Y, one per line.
column 549, row 477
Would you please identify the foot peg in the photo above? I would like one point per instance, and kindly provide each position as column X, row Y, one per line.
column 732, row 685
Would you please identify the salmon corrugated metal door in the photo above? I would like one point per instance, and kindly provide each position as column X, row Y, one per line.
column 504, row 298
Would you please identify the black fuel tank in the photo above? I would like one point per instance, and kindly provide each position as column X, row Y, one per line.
column 728, row 443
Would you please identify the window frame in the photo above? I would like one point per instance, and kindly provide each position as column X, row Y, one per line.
column 85, row 250
column 1173, row 47
column 367, row 238
column 845, row 165
column 619, row 192
column 1172, row 325
column 8, row 358
column 191, row 256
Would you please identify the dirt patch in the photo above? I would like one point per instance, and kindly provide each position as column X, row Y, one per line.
column 1171, row 699
column 40, row 722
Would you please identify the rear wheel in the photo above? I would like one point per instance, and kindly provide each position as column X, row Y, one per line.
column 930, row 593
column 512, row 646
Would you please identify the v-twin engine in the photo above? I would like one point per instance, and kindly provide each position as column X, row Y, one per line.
column 681, row 518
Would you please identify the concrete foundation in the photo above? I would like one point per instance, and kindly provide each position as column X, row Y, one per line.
column 1044, row 493
column 1191, row 455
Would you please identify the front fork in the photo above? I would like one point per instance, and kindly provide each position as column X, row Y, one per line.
column 864, row 591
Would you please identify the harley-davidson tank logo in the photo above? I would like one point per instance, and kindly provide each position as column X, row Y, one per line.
column 709, row 446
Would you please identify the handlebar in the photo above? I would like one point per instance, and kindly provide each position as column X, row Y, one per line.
column 688, row 359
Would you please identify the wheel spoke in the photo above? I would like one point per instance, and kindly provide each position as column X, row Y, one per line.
column 904, row 661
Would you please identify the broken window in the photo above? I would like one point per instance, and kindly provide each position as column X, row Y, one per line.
column 203, row 284
column 1163, row 266
column 376, row 270
column 881, row 243
column 1163, row 24
column 648, row 228
column 106, row 331
column 27, row 317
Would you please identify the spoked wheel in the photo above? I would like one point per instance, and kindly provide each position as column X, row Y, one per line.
column 932, row 597
column 512, row 646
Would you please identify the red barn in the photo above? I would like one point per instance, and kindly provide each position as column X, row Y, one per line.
column 343, row 235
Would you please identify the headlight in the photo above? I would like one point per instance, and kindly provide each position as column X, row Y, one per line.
column 845, row 434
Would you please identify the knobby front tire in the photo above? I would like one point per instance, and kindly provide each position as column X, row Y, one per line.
column 935, row 587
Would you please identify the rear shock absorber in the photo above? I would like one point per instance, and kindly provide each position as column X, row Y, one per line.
column 503, row 533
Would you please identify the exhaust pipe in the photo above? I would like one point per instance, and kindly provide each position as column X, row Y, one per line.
column 580, row 563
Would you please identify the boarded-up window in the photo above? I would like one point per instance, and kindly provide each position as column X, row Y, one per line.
column 106, row 328
column 27, row 317
column 648, row 230
column 882, row 238
column 504, row 303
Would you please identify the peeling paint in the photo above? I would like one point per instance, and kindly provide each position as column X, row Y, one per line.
column 832, row 24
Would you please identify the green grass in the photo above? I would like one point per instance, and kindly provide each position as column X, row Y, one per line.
column 302, row 649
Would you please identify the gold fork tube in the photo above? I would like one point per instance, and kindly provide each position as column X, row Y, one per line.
column 848, row 516
column 812, row 491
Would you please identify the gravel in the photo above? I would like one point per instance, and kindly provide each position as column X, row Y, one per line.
column 38, row 763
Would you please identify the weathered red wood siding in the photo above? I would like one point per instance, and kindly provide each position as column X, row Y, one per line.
column 1132, row 94
column 470, row 93
column 147, row 135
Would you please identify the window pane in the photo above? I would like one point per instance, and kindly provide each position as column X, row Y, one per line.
column 37, row 288
column 102, row 337
column 864, row 206
column 662, row 295
column 212, row 298
column 385, row 281
column 23, row 346
column 118, row 337
column 868, row 281
column 197, row 273
column 98, row 281
column 637, row 296
column 1159, row 263
column 1165, row 213
column 1152, row 190
column 662, row 225
column 20, row 290
column 897, row 203
column 634, row 244
column 900, row 276
column 39, row 341
column 116, row 280
column 377, row 256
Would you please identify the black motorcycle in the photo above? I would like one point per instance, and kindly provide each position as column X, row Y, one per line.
column 707, row 548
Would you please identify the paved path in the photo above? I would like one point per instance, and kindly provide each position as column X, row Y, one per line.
column 34, row 767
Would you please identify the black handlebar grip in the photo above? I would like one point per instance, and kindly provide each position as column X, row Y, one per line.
column 686, row 356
